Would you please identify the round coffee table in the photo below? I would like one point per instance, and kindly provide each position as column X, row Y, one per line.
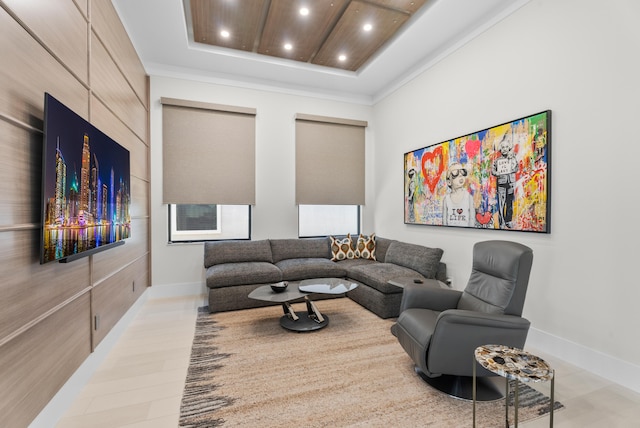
column 311, row 319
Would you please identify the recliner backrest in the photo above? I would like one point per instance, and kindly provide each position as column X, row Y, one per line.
column 499, row 278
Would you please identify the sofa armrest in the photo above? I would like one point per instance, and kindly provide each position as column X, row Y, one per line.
column 436, row 299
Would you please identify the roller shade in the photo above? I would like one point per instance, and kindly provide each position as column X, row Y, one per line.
column 208, row 153
column 330, row 159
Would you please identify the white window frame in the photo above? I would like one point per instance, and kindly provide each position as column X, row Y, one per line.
column 226, row 215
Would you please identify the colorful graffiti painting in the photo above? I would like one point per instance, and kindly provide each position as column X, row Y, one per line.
column 497, row 178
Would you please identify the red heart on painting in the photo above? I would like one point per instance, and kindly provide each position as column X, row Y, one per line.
column 483, row 218
column 432, row 173
column 472, row 147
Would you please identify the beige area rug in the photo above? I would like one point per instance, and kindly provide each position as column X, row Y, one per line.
column 247, row 371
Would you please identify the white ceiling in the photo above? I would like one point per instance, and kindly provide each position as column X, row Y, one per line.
column 159, row 34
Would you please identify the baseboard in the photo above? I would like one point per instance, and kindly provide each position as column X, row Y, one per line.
column 611, row 368
column 64, row 398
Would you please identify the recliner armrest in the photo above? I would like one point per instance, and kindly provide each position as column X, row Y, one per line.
column 459, row 332
column 435, row 299
column 481, row 319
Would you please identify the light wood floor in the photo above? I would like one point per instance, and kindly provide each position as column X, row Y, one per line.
column 139, row 383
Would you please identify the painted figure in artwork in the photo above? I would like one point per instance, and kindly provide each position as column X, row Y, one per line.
column 457, row 206
column 411, row 194
column 504, row 169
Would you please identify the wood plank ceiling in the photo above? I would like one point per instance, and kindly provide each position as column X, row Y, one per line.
column 332, row 33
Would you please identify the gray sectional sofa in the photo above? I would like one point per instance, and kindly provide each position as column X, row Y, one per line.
column 235, row 268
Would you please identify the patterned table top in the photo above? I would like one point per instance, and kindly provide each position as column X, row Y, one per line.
column 513, row 363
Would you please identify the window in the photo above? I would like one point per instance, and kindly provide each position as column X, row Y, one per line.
column 324, row 220
column 201, row 222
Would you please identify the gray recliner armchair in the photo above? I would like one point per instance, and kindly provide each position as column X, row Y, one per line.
column 441, row 328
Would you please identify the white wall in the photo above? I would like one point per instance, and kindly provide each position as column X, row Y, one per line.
column 581, row 60
column 275, row 214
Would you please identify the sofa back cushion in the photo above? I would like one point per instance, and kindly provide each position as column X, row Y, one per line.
column 219, row 252
column 382, row 245
column 297, row 248
column 422, row 259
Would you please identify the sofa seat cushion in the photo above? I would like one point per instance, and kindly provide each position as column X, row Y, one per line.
column 229, row 274
column 308, row 268
column 376, row 275
column 417, row 257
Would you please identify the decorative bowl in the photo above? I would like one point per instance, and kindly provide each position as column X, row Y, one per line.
column 279, row 287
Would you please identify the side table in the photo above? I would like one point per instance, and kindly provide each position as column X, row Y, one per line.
column 512, row 364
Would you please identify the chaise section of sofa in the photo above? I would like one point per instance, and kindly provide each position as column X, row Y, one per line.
column 394, row 259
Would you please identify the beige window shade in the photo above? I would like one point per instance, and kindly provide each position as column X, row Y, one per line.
column 329, row 161
column 208, row 153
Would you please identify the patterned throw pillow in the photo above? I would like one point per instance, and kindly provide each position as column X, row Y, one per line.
column 366, row 247
column 341, row 249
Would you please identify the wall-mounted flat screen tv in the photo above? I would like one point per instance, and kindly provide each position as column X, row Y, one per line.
column 85, row 187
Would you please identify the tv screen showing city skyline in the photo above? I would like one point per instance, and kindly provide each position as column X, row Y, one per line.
column 86, row 186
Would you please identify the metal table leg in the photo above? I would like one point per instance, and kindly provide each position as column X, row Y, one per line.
column 474, row 392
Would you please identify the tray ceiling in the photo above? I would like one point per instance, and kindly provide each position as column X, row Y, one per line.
column 342, row 34
column 181, row 38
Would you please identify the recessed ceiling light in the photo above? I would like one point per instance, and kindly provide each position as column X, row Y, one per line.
column 288, row 46
column 225, row 34
column 342, row 57
column 304, row 11
column 367, row 27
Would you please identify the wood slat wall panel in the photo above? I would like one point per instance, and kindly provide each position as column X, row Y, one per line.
column 112, row 88
column 107, row 262
column 20, row 177
column 29, row 289
column 29, row 74
column 45, row 310
column 139, row 198
column 83, row 5
column 108, row 123
column 36, row 364
column 70, row 46
column 113, row 297
column 107, row 26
